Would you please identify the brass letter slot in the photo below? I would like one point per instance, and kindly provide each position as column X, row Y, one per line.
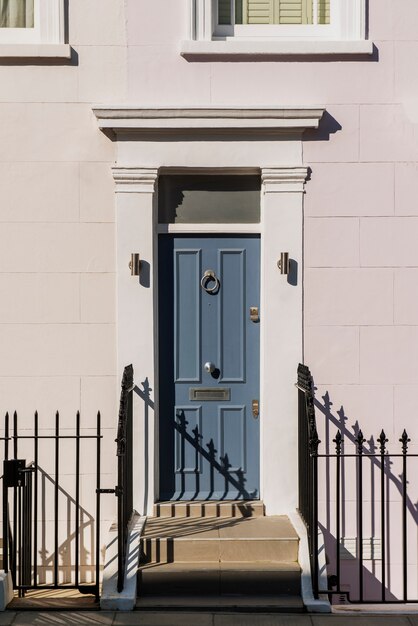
column 209, row 393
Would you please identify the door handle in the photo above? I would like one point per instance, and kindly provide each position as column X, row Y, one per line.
column 255, row 405
column 210, row 277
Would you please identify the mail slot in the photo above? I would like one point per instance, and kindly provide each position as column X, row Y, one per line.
column 210, row 393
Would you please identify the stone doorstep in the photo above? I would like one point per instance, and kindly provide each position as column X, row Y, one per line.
column 220, row 579
column 218, row 604
column 274, row 527
column 214, row 549
column 261, row 539
column 235, row 509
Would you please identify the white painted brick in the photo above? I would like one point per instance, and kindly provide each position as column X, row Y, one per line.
column 406, row 182
column 388, row 354
column 30, row 192
column 57, row 349
column 57, row 248
column 98, row 297
column 39, row 298
column 348, row 297
column 97, row 22
column 331, row 242
column 406, row 298
column 102, row 74
column 350, row 189
column 389, row 241
column 97, row 193
column 332, row 353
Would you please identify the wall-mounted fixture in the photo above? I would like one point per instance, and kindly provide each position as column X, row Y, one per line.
column 284, row 263
column 135, row 264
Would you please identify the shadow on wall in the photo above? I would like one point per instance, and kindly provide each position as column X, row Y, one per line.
column 327, row 126
column 66, row 548
column 145, row 395
column 283, row 58
column 38, row 540
column 208, row 452
column 361, row 499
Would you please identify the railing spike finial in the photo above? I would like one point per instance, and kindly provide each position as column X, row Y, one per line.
column 314, row 441
column 382, row 439
column 404, row 441
column 360, row 439
column 338, row 441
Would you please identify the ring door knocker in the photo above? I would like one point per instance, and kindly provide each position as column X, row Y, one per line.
column 210, row 277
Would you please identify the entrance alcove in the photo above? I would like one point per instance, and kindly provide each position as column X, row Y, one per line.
column 256, row 142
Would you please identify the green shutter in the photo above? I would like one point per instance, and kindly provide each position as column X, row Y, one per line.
column 224, row 11
column 274, row 11
column 323, row 11
column 260, row 12
column 280, row 11
column 293, row 12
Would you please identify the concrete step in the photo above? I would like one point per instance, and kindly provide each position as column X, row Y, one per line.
column 225, row 540
column 220, row 604
column 219, row 579
column 238, row 508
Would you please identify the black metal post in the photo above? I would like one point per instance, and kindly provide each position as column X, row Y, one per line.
column 360, row 441
column 404, row 440
column 338, row 444
column 98, row 459
column 35, row 504
column 6, row 545
column 56, row 496
column 15, row 495
column 382, row 444
column 77, row 499
column 314, row 444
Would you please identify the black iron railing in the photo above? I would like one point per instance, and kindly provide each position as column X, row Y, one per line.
column 34, row 550
column 364, row 468
column 308, row 466
column 124, row 490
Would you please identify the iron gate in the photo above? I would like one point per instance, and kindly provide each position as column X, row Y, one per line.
column 41, row 550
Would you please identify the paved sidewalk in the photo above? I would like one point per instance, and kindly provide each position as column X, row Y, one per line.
column 105, row 618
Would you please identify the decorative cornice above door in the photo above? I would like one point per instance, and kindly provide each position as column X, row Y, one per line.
column 231, row 119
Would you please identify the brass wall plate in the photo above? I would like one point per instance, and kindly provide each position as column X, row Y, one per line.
column 254, row 314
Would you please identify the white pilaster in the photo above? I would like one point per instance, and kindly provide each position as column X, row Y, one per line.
column 137, row 315
column 282, row 336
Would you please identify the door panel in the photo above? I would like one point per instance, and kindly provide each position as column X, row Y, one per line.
column 209, row 438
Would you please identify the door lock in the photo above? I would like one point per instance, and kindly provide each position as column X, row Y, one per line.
column 255, row 408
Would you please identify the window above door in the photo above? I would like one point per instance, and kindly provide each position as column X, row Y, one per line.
column 278, row 27
column 32, row 28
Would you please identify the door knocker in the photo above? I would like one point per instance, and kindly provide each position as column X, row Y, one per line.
column 210, row 277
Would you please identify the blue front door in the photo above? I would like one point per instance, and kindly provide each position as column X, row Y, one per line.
column 209, row 345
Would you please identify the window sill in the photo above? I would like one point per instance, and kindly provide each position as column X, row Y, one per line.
column 275, row 48
column 35, row 51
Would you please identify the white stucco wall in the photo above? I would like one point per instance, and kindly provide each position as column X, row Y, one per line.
column 57, row 251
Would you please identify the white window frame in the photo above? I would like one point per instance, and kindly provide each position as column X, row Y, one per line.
column 345, row 34
column 48, row 27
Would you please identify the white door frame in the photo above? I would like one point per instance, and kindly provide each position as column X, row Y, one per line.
column 233, row 140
